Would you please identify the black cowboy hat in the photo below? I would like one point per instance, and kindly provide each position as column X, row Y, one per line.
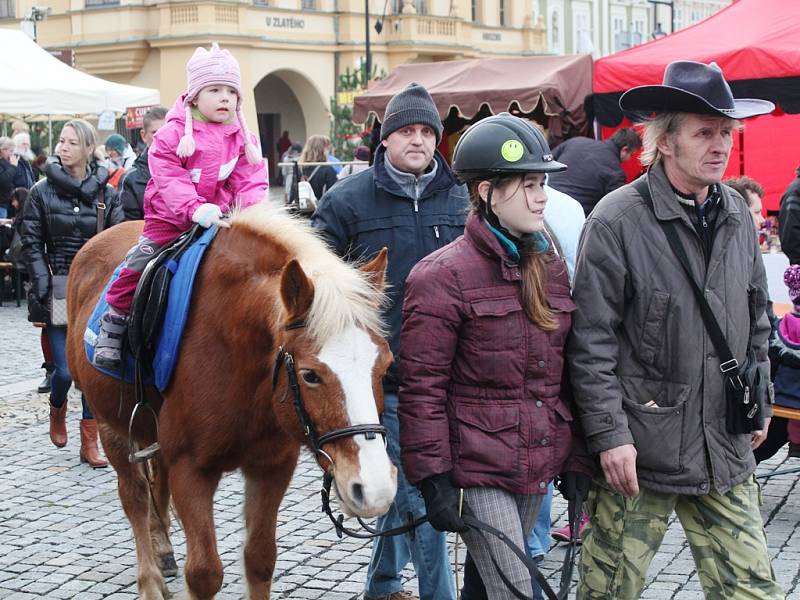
column 693, row 87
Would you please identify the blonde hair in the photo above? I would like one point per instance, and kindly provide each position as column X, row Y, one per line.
column 654, row 130
column 315, row 149
column 87, row 136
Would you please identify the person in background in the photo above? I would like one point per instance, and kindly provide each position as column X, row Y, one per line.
column 784, row 355
column 789, row 221
column 321, row 177
column 60, row 217
column 647, row 380
column 119, row 151
column 287, row 171
column 24, row 177
column 753, row 193
column 38, row 165
column 411, row 203
column 135, row 179
column 283, row 145
column 596, row 166
column 8, row 171
column 361, row 158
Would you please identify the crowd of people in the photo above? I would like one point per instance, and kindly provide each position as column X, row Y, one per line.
column 540, row 310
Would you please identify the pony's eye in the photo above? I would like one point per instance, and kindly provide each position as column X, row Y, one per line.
column 311, row 377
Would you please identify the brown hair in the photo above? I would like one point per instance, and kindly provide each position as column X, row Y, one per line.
column 532, row 266
column 745, row 184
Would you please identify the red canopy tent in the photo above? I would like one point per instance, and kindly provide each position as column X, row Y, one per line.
column 757, row 45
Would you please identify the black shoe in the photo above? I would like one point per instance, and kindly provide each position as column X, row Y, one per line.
column 44, row 386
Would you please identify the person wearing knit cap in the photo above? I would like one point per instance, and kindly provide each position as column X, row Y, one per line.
column 203, row 162
column 410, row 202
column 784, row 354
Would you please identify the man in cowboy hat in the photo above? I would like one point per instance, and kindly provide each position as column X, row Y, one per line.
column 647, row 377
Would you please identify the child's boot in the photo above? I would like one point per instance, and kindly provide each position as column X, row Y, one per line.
column 108, row 349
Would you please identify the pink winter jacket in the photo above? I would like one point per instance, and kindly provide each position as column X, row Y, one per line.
column 217, row 172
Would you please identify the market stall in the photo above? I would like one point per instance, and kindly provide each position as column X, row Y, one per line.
column 757, row 45
column 548, row 89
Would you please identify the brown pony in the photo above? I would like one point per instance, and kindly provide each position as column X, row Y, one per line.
column 221, row 412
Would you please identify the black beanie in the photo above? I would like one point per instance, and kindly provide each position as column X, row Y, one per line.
column 411, row 106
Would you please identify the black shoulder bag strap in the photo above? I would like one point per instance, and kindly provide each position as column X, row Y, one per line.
column 729, row 366
column 101, row 209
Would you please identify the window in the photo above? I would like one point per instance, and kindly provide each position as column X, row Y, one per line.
column 421, row 6
column 502, row 12
column 101, row 3
column 308, row 4
column 7, row 9
column 474, row 5
column 261, row 2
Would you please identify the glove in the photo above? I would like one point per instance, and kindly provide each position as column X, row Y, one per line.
column 571, row 483
column 209, row 214
column 441, row 504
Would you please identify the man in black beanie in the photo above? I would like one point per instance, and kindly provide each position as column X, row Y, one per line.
column 411, row 203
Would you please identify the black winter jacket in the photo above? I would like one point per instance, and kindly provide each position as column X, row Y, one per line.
column 322, row 180
column 59, row 218
column 594, row 170
column 789, row 221
column 131, row 189
column 367, row 211
column 7, row 174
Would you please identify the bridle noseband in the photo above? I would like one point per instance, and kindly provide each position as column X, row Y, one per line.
column 285, row 358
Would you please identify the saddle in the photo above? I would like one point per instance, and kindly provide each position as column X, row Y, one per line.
column 152, row 292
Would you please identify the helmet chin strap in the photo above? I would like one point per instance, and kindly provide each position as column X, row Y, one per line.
column 488, row 213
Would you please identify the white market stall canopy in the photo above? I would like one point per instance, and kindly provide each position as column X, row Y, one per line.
column 37, row 83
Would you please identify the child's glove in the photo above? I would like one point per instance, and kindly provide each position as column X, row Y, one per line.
column 209, row 214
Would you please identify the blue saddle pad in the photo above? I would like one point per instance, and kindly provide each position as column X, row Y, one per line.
column 175, row 316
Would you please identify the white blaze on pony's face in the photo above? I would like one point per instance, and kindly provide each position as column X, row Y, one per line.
column 352, row 357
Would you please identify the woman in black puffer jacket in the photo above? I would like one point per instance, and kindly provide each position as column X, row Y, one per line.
column 59, row 218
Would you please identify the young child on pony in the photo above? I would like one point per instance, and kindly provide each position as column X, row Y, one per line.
column 203, row 161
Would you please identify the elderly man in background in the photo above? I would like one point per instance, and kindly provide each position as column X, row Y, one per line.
column 655, row 397
column 24, row 175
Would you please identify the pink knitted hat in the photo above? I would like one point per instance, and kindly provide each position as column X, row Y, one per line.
column 209, row 68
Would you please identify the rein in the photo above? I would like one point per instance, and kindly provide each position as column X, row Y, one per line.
column 285, row 359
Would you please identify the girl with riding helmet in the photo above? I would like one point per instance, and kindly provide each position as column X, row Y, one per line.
column 483, row 401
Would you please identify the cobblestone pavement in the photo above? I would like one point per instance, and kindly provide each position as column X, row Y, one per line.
column 63, row 533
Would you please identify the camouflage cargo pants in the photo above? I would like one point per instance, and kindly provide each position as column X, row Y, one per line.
column 724, row 531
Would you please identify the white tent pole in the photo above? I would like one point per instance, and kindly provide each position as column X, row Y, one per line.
column 49, row 134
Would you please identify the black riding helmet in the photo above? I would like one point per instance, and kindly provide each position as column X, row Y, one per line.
column 502, row 144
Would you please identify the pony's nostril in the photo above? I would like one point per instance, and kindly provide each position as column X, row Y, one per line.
column 357, row 494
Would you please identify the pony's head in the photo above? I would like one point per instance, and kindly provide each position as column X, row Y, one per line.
column 329, row 325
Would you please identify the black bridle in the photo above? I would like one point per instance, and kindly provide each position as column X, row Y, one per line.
column 285, row 359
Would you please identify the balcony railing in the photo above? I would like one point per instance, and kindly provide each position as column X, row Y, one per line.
column 101, row 3
column 422, row 28
column 8, row 9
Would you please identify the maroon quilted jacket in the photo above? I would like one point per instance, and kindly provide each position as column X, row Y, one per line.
column 481, row 390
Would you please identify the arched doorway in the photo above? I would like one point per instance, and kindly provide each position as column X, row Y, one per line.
column 288, row 101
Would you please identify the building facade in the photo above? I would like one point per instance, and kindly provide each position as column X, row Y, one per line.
column 601, row 27
column 292, row 51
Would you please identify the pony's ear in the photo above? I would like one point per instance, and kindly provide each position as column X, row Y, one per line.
column 297, row 291
column 376, row 269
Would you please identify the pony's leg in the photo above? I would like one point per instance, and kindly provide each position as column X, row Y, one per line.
column 134, row 493
column 262, row 498
column 193, row 495
column 159, row 519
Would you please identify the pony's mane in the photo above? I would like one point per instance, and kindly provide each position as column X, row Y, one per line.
column 343, row 294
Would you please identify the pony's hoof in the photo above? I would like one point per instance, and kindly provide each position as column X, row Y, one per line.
column 167, row 564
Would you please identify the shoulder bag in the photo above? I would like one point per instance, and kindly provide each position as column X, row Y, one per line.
column 745, row 387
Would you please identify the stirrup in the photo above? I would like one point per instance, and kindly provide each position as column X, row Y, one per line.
column 145, row 454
